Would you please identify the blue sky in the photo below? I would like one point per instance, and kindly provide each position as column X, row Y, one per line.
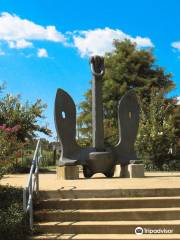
column 45, row 45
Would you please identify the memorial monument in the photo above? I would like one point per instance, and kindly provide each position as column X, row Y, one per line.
column 98, row 158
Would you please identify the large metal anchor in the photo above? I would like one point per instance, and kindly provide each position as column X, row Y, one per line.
column 96, row 159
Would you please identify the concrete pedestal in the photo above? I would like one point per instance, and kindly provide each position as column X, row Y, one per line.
column 124, row 173
column 67, row 172
column 130, row 171
column 136, row 170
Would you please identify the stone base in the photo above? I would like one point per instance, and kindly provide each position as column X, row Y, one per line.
column 124, row 173
column 129, row 171
column 67, row 172
column 136, row 170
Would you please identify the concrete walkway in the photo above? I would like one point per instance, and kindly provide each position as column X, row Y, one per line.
column 49, row 181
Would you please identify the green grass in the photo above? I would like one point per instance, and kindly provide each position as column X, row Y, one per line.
column 48, row 168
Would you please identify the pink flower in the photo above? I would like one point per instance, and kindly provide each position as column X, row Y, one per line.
column 8, row 130
column 3, row 127
column 16, row 128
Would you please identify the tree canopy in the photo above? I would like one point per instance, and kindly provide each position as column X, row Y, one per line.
column 126, row 67
column 156, row 136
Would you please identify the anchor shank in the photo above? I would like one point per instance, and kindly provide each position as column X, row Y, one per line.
column 97, row 105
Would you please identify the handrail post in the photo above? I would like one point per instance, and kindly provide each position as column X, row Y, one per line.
column 33, row 184
column 30, row 206
column 37, row 176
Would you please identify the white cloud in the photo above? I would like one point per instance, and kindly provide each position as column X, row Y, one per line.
column 21, row 33
column 142, row 41
column 20, row 44
column 100, row 41
column 178, row 102
column 14, row 28
column 176, row 45
column 42, row 53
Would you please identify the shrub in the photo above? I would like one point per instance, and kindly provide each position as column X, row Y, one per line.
column 156, row 135
column 47, row 159
column 9, row 144
column 2, row 171
column 13, row 224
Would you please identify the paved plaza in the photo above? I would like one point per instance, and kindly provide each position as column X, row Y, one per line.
column 49, row 181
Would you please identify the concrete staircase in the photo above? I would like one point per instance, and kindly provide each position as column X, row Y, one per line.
column 107, row 214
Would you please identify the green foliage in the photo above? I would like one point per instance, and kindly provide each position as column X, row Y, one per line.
column 84, row 120
column 177, row 131
column 19, row 124
column 12, row 217
column 23, row 165
column 177, row 120
column 2, row 171
column 47, row 159
column 26, row 116
column 168, row 166
column 9, row 146
column 126, row 68
column 21, row 161
column 9, row 143
column 156, row 134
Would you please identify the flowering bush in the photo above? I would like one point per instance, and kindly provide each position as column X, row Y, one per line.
column 15, row 114
column 19, row 124
column 9, row 144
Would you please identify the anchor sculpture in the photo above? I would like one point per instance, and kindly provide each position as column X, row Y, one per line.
column 96, row 159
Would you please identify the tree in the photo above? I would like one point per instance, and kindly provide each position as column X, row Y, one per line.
column 24, row 116
column 126, row 68
column 156, row 136
column 9, row 143
column 19, row 124
column 177, row 130
column 84, row 120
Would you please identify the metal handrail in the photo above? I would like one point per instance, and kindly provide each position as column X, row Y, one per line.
column 32, row 184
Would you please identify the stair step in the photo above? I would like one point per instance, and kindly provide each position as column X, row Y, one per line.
column 107, row 203
column 110, row 193
column 132, row 214
column 105, row 227
column 107, row 237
